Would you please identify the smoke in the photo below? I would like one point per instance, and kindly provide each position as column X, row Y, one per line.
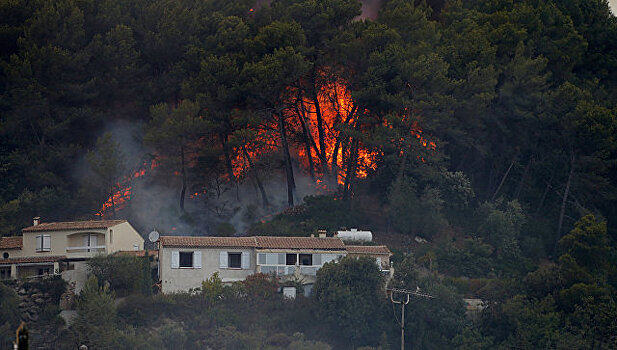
column 370, row 9
column 154, row 195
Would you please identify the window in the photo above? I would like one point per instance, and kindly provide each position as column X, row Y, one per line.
column 111, row 236
column 5, row 273
column 306, row 259
column 43, row 243
column 5, row 255
column 186, row 259
column 235, row 260
column 291, row 259
column 43, row 271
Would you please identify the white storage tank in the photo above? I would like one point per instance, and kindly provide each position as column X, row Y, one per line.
column 355, row 235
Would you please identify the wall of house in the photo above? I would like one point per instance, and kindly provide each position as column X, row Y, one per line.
column 123, row 237
column 183, row 279
column 13, row 253
column 60, row 240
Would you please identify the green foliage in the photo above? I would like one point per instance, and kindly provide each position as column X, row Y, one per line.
column 95, row 324
column 316, row 213
column 212, row 288
column 125, row 274
column 108, row 162
column 350, row 298
column 260, row 287
column 414, row 213
column 9, row 314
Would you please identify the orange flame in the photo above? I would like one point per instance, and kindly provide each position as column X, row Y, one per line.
column 121, row 197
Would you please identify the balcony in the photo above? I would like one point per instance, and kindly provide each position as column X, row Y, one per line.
column 289, row 270
column 90, row 250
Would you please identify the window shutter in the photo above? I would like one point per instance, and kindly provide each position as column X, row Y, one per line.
column 197, row 259
column 378, row 260
column 223, row 260
column 46, row 242
column 175, row 260
column 86, row 240
column 316, row 259
column 92, row 240
column 39, row 243
column 245, row 260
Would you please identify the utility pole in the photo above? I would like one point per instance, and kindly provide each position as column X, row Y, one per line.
column 407, row 296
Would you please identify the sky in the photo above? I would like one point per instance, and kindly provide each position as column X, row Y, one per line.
column 613, row 5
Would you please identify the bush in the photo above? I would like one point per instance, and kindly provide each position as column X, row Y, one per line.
column 9, row 315
column 125, row 274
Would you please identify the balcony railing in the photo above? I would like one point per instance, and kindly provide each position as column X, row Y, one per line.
column 86, row 248
column 288, row 270
column 278, row 270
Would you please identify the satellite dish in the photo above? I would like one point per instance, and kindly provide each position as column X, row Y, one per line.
column 153, row 236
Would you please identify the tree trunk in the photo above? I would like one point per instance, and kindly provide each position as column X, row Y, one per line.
column 320, row 128
column 228, row 165
column 264, row 197
column 549, row 184
column 183, row 192
column 505, row 176
column 566, row 192
column 291, row 186
column 351, row 170
column 113, row 204
column 338, row 143
column 523, row 178
column 306, row 133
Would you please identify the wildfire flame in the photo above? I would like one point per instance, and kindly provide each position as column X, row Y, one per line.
column 338, row 112
column 121, row 196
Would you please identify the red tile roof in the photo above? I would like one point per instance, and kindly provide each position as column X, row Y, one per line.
column 32, row 259
column 11, row 242
column 329, row 243
column 73, row 225
column 154, row 253
column 188, row 241
column 264, row 242
column 368, row 249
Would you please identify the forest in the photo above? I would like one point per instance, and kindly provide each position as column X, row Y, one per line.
column 487, row 128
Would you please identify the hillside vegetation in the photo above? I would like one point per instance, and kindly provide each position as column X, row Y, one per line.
column 487, row 128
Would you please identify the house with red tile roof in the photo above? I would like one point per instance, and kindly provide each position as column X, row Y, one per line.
column 63, row 247
column 186, row 261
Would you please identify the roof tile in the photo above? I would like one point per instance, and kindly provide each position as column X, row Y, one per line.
column 189, row 241
column 73, row 225
column 329, row 243
column 368, row 249
column 264, row 242
column 11, row 242
column 32, row 259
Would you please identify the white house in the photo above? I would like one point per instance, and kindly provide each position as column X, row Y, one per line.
column 184, row 262
column 63, row 247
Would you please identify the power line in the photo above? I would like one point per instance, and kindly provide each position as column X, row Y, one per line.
column 404, row 301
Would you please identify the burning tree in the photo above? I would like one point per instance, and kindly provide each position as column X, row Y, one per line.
column 174, row 132
column 109, row 164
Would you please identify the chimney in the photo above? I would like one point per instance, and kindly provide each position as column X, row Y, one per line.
column 36, row 221
column 312, row 235
column 322, row 233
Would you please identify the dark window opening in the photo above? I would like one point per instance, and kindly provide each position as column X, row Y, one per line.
column 5, row 274
column 290, row 259
column 5, row 255
column 44, row 271
column 306, row 259
column 235, row 260
column 186, row 259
